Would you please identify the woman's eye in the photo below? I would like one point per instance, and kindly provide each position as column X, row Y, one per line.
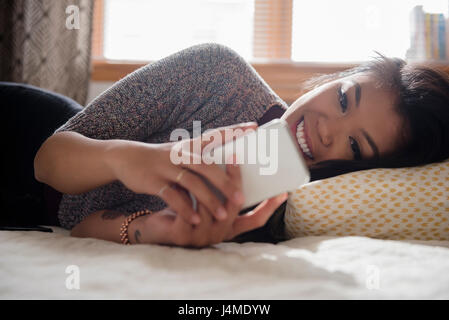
column 343, row 99
column 355, row 148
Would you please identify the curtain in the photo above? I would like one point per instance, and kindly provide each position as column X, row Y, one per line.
column 47, row 43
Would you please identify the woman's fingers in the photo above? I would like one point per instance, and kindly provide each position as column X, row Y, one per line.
column 219, row 179
column 215, row 137
column 191, row 178
column 222, row 228
column 211, row 231
column 233, row 171
column 211, row 171
column 179, row 202
column 197, row 186
column 195, row 182
column 202, row 233
column 258, row 217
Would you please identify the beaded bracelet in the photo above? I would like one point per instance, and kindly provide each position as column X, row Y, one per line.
column 124, row 229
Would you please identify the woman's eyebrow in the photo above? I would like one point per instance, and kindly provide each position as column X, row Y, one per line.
column 358, row 96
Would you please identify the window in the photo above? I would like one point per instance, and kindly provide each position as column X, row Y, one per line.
column 287, row 41
column 143, row 30
column 297, row 30
column 349, row 30
column 152, row 29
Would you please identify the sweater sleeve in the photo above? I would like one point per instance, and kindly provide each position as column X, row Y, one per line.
column 172, row 91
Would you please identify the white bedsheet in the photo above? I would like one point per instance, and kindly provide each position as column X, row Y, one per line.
column 33, row 265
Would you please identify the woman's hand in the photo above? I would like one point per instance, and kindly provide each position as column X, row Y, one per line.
column 167, row 227
column 148, row 169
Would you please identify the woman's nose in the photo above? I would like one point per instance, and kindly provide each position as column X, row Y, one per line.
column 325, row 131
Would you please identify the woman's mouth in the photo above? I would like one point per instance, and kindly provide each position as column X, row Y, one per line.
column 302, row 139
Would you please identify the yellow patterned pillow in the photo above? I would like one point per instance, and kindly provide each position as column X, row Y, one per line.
column 405, row 203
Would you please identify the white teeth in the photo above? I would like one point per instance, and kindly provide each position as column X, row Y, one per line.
column 301, row 139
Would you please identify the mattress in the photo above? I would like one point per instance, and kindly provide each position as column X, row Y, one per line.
column 36, row 265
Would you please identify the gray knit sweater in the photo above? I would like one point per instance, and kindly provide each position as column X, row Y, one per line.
column 207, row 82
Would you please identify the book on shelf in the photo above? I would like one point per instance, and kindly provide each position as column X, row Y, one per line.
column 441, row 37
column 428, row 36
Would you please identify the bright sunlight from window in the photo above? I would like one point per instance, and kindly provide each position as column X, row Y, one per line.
column 152, row 29
column 322, row 30
column 349, row 30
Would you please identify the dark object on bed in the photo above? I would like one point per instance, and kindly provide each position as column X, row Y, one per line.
column 29, row 116
column 25, row 228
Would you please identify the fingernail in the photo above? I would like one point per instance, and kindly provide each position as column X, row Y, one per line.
column 221, row 213
column 238, row 197
column 196, row 219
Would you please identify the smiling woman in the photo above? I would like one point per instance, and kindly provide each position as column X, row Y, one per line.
column 114, row 155
column 338, row 124
column 382, row 114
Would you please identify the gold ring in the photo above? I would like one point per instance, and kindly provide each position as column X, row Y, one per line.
column 179, row 177
column 163, row 188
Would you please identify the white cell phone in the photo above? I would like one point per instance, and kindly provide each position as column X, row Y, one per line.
column 269, row 160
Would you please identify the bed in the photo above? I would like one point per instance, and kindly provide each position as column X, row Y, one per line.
column 38, row 265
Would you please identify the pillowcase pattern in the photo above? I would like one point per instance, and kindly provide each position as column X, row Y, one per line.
column 400, row 203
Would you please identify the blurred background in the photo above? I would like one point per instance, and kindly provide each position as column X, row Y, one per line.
column 287, row 41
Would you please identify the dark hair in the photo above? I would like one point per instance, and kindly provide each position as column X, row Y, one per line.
column 422, row 101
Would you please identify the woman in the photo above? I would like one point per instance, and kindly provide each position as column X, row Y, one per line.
column 112, row 159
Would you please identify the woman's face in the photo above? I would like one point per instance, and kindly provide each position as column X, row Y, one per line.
column 346, row 119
